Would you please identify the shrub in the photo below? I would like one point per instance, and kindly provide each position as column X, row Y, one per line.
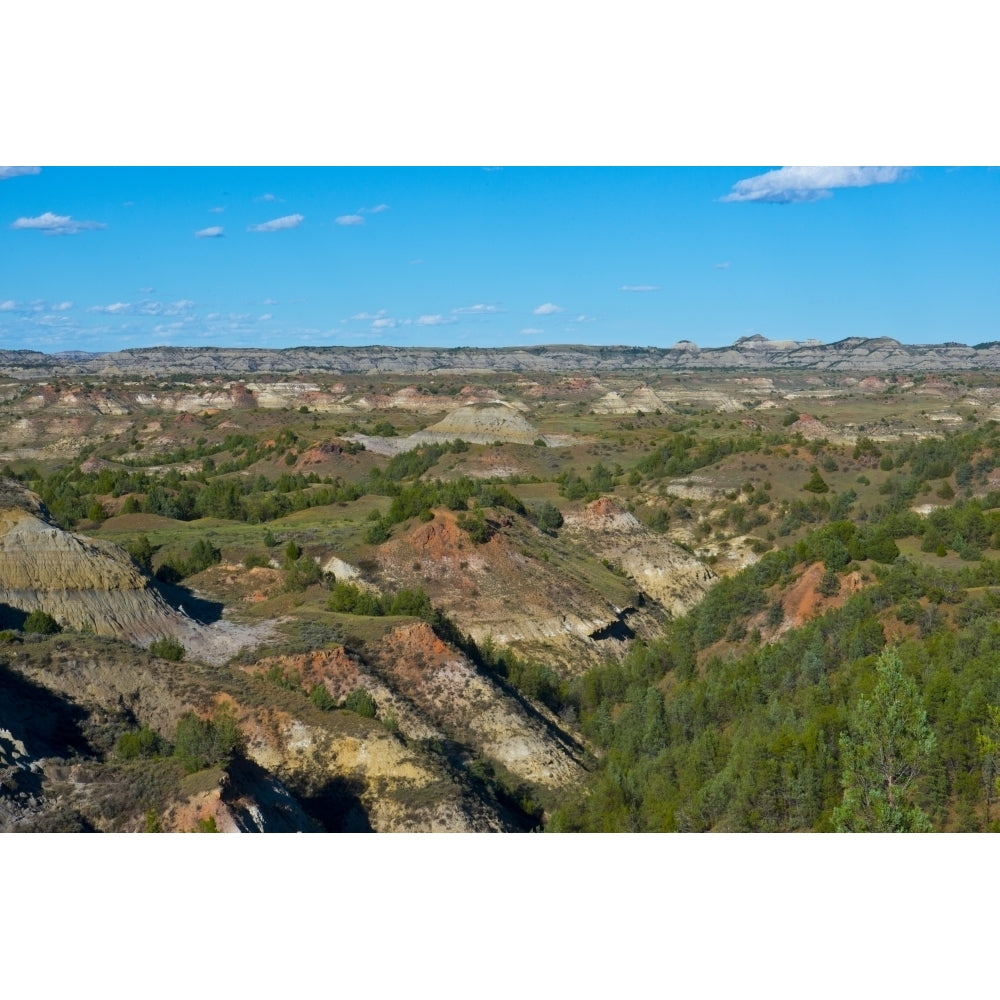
column 549, row 518
column 360, row 702
column 816, row 484
column 41, row 623
column 168, row 648
column 475, row 526
column 377, row 534
column 203, row 554
column 322, row 698
column 252, row 559
column 302, row 573
column 201, row 743
column 144, row 742
column 141, row 552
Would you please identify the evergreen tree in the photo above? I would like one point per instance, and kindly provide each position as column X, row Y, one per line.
column 881, row 755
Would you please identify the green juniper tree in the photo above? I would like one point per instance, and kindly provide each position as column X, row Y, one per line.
column 988, row 744
column 881, row 755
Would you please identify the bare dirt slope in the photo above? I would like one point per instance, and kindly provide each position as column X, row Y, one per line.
column 546, row 608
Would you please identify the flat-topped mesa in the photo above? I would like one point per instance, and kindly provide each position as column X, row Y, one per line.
column 82, row 582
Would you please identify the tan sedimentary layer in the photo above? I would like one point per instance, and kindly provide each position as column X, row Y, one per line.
column 662, row 569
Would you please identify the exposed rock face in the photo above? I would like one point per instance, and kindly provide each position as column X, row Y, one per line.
column 481, row 425
column 663, row 570
column 82, row 583
column 567, row 621
column 856, row 354
column 641, row 400
column 469, row 706
column 92, row 585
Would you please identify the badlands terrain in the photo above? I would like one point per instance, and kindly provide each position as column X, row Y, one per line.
column 556, row 588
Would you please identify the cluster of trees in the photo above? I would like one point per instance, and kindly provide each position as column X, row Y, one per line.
column 828, row 729
column 197, row 743
column 348, row 598
column 684, row 454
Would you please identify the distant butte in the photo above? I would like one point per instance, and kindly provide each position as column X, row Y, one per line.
column 852, row 354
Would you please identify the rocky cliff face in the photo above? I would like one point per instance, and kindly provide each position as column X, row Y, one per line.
column 855, row 354
column 663, row 570
column 85, row 584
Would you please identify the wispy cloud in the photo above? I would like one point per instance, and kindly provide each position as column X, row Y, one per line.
column 62, row 306
column 368, row 315
column 388, row 323
column 724, row 266
column 9, row 306
column 114, row 309
column 7, row 172
column 146, row 308
column 435, row 320
column 267, row 197
column 379, row 208
column 350, row 220
column 585, row 319
column 790, row 185
column 531, row 331
column 546, row 309
column 640, row 288
column 55, row 225
column 217, row 209
column 211, row 233
column 285, row 222
column 479, row 309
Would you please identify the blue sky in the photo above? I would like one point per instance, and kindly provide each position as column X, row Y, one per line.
column 102, row 259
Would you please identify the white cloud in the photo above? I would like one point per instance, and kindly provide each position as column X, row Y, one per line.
column 217, row 209
column 285, row 222
column 115, row 308
column 8, row 172
column 723, row 266
column 788, row 185
column 212, row 232
column 264, row 316
column 149, row 308
column 63, row 306
column 436, row 320
column 367, row 315
column 350, row 220
column 640, row 288
column 531, row 331
column 270, row 302
column 55, row 225
column 266, row 197
column 9, row 306
column 546, row 309
column 479, row 309
column 148, row 290
column 585, row 319
column 384, row 324
column 378, row 208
